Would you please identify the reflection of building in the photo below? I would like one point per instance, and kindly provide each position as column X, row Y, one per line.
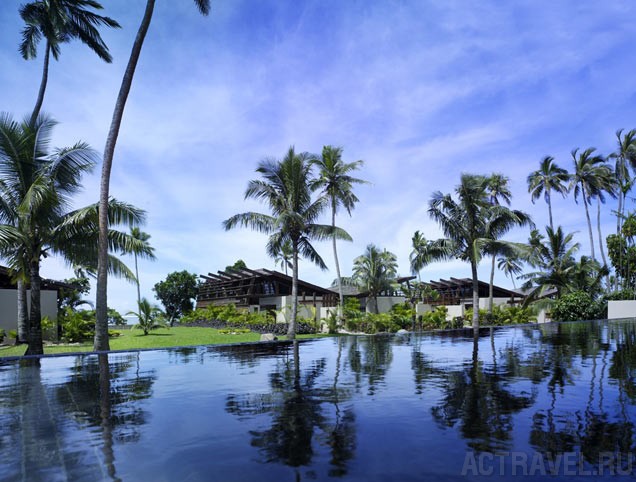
column 263, row 290
column 9, row 299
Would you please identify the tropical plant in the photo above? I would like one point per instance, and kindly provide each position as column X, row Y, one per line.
column 553, row 258
column 502, row 221
column 142, row 237
column 375, row 272
column 548, row 178
column 422, row 253
column 625, row 156
column 511, row 266
column 590, row 179
column 101, row 326
column 286, row 188
column 35, row 193
column 336, row 183
column 472, row 226
column 58, row 22
column 176, row 293
column 149, row 317
column 622, row 252
column 577, row 305
column 284, row 256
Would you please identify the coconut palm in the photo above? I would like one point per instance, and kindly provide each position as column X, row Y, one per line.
column 101, row 326
column 375, row 272
column 511, row 266
column 420, row 255
column 548, row 178
column 625, row 156
column 139, row 235
column 336, row 182
column 285, row 187
column 57, row 22
column 497, row 188
column 284, row 256
column 35, row 192
column 149, row 317
column 472, row 226
column 589, row 170
column 553, row 259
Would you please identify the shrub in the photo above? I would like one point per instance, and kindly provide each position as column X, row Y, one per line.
column 76, row 325
column 13, row 334
column 503, row 315
column 578, row 305
column 436, row 319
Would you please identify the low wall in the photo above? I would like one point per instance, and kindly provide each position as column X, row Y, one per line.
column 621, row 309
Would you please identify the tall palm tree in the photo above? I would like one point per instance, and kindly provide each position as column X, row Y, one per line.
column 286, row 188
column 471, row 225
column 284, row 256
column 101, row 298
column 585, row 181
column 549, row 177
column 497, row 188
column 375, row 271
column 625, row 156
column 421, row 254
column 57, row 22
column 511, row 266
column 139, row 235
column 336, row 182
column 35, row 193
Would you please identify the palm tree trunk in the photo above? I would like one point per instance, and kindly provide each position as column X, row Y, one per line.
column 291, row 330
column 550, row 209
column 45, row 78
column 335, row 258
column 35, row 319
column 491, row 286
column 600, row 236
column 138, row 287
column 473, row 268
column 101, row 324
column 619, row 211
column 589, row 223
column 23, row 312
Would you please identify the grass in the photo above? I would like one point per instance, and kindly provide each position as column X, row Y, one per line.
column 160, row 338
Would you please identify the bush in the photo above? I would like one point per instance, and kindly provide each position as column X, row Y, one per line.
column 436, row 319
column 13, row 334
column 76, row 325
column 578, row 305
column 503, row 315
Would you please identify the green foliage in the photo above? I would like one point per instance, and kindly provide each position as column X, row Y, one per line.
column 436, row 319
column 578, row 305
column 13, row 334
column 176, row 294
column 115, row 318
column 626, row 294
column 76, row 325
column 504, row 315
column 230, row 314
column 622, row 254
column 113, row 333
column 2, row 335
column 403, row 314
column 150, row 317
column 239, row 264
column 72, row 297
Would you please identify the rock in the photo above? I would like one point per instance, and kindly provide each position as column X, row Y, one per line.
column 268, row 337
column 402, row 332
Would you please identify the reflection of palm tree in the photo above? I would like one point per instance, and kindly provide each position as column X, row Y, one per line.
column 296, row 405
column 371, row 357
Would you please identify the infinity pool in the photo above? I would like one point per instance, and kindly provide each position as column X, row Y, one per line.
column 533, row 400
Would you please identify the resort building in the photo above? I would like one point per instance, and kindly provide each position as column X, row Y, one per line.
column 264, row 290
column 9, row 299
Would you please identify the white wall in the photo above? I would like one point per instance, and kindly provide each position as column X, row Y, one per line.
column 621, row 309
column 385, row 303
column 9, row 307
column 483, row 302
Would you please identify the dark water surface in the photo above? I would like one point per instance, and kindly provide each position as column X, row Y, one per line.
column 514, row 401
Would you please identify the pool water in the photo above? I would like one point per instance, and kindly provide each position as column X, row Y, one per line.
column 532, row 400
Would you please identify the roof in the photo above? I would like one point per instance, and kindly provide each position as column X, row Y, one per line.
column 465, row 285
column 7, row 282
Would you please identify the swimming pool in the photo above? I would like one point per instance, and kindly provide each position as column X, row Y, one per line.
column 533, row 400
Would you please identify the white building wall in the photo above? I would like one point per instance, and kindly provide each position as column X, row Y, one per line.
column 9, row 307
column 385, row 303
column 621, row 309
column 454, row 311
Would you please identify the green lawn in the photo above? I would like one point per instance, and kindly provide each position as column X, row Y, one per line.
column 164, row 337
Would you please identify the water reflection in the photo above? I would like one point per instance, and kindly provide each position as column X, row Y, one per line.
column 297, row 403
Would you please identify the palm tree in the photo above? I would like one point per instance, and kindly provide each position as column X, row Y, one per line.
column 375, row 271
column 284, row 256
column 549, row 177
column 139, row 235
column 501, row 223
column 336, row 182
column 589, row 169
column 554, row 260
column 472, row 226
column 285, row 187
column 511, row 266
column 422, row 253
column 101, row 298
column 60, row 21
column 35, row 192
column 625, row 156
column 150, row 317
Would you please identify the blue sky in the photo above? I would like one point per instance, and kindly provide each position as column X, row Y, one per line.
column 420, row 90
